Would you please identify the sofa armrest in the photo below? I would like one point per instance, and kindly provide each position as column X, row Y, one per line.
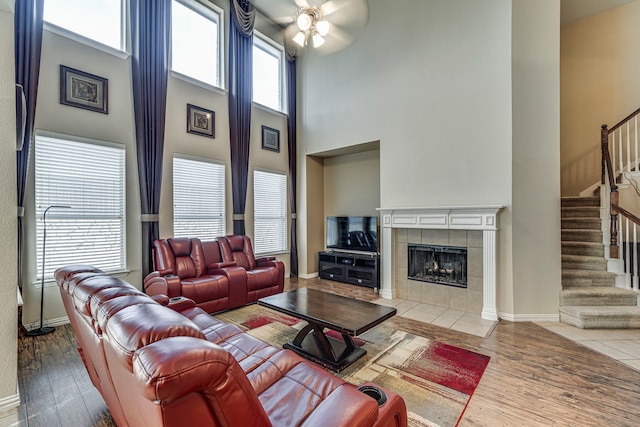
column 155, row 284
column 219, row 265
column 181, row 304
column 345, row 407
column 237, row 277
column 265, row 259
column 173, row 368
column 161, row 299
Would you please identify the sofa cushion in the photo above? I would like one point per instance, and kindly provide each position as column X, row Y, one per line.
column 141, row 324
column 205, row 288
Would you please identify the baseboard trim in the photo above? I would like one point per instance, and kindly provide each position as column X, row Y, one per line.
column 50, row 322
column 530, row 317
column 308, row 276
column 10, row 402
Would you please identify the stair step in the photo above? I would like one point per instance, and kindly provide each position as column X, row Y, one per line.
column 581, row 235
column 581, row 223
column 598, row 296
column 583, row 248
column 586, row 278
column 579, row 201
column 580, row 212
column 582, row 262
column 601, row 317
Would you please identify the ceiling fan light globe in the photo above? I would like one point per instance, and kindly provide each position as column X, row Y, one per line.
column 318, row 40
column 322, row 27
column 300, row 39
column 304, row 21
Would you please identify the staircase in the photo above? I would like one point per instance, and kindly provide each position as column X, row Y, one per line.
column 589, row 298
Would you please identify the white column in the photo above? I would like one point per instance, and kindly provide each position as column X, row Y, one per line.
column 489, row 266
column 387, row 290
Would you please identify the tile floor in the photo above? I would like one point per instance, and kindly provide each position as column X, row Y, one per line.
column 441, row 316
column 620, row 344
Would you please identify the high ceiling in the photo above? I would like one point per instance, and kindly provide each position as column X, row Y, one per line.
column 572, row 10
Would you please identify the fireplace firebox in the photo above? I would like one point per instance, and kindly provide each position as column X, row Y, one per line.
column 444, row 265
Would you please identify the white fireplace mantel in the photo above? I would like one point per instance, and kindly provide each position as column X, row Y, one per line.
column 483, row 218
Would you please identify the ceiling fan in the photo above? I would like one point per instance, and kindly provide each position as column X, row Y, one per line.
column 330, row 24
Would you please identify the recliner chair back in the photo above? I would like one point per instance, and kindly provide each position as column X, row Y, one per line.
column 238, row 248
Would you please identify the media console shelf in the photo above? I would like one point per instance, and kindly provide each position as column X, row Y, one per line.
column 357, row 269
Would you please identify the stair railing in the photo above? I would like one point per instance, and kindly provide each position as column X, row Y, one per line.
column 623, row 140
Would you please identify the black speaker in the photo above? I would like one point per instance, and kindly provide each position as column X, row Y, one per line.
column 21, row 116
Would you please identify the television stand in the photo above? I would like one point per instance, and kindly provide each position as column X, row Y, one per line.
column 357, row 269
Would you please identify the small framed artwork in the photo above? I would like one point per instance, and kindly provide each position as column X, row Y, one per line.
column 83, row 90
column 201, row 121
column 270, row 139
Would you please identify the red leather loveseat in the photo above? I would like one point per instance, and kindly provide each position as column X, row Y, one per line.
column 218, row 275
column 165, row 362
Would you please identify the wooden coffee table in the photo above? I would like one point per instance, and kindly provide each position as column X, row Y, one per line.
column 349, row 317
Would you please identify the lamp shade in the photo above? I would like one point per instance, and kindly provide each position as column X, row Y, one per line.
column 300, row 38
column 304, row 21
column 322, row 27
column 318, row 40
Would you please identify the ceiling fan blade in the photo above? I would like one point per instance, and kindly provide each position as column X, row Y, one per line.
column 302, row 3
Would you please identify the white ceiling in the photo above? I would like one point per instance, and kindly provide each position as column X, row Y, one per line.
column 572, row 10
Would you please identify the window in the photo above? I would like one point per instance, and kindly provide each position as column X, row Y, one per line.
column 195, row 41
column 198, row 198
column 98, row 20
column 270, row 212
column 89, row 177
column 267, row 73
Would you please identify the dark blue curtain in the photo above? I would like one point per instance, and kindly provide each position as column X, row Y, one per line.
column 240, row 98
column 291, row 142
column 28, row 44
column 150, row 26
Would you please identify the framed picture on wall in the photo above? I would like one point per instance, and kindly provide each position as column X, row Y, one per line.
column 83, row 90
column 270, row 139
column 201, row 121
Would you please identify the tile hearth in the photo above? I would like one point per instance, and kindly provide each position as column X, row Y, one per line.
column 449, row 318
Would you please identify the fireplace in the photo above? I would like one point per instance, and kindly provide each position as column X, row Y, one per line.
column 444, row 265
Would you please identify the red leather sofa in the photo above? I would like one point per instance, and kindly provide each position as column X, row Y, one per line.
column 166, row 362
column 218, row 275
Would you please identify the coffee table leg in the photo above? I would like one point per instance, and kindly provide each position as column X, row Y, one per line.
column 323, row 342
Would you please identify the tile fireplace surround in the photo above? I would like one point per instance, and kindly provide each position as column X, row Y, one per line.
column 476, row 225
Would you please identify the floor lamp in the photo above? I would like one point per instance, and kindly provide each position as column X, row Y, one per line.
column 42, row 330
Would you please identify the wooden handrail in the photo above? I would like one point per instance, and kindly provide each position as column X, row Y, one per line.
column 625, row 213
column 623, row 121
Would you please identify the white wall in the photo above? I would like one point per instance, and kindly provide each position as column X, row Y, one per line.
column 536, row 158
column 432, row 81
column 8, row 210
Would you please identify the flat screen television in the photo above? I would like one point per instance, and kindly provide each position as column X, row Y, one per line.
column 353, row 233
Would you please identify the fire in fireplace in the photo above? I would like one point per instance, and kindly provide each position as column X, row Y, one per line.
column 445, row 265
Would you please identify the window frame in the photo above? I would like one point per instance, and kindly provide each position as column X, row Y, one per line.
column 285, row 218
column 270, row 47
column 224, row 186
column 122, row 52
column 122, row 268
column 215, row 14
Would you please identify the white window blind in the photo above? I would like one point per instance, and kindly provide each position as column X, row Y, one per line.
column 198, row 199
column 270, row 212
column 268, row 66
column 90, row 178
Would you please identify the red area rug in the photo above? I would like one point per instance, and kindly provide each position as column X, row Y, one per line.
column 435, row 379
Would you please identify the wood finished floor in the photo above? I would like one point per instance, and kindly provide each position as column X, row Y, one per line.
column 534, row 378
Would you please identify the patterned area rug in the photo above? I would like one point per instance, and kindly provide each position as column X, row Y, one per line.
column 435, row 379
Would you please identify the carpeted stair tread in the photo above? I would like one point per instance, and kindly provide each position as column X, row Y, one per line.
column 583, row 262
column 578, row 235
column 598, row 296
column 579, row 201
column 587, row 278
column 583, row 248
column 601, row 317
column 580, row 212
column 581, row 223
